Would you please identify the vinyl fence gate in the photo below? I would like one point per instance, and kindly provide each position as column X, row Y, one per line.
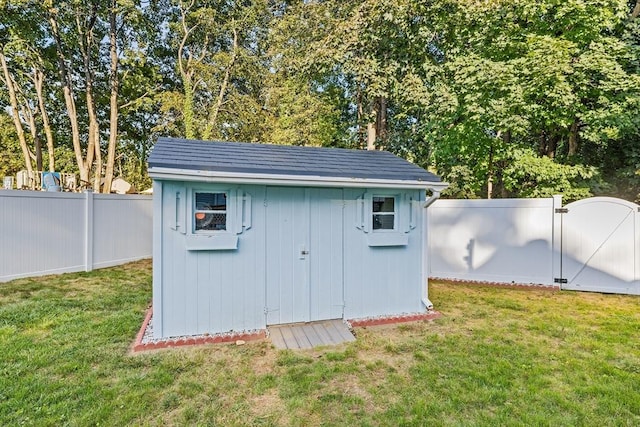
column 588, row 245
column 600, row 242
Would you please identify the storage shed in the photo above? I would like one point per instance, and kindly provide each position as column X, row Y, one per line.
column 252, row 235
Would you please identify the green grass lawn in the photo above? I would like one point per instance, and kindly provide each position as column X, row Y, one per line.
column 496, row 357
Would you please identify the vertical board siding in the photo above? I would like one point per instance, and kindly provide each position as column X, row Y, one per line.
column 175, row 287
column 158, row 270
column 44, row 233
column 500, row 240
column 267, row 280
column 168, row 313
column 203, row 293
column 209, row 291
column 286, row 236
column 325, row 254
column 382, row 280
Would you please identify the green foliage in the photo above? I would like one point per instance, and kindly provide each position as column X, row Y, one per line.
column 461, row 88
column 469, row 86
column 529, row 175
column 301, row 117
column 28, row 43
column 462, row 184
column 541, row 79
column 10, row 155
column 217, row 52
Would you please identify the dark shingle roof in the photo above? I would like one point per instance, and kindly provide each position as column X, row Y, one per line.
column 239, row 157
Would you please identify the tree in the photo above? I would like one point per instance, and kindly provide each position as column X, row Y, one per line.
column 85, row 54
column 80, row 21
column 371, row 49
column 10, row 151
column 10, row 83
column 557, row 78
column 218, row 53
column 479, row 92
column 23, row 64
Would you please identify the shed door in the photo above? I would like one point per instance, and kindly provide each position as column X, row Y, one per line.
column 600, row 246
column 303, row 254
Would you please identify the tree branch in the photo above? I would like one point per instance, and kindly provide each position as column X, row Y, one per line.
column 636, row 10
column 130, row 103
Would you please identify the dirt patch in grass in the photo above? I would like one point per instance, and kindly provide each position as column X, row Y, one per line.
column 357, row 386
column 269, row 406
column 265, row 359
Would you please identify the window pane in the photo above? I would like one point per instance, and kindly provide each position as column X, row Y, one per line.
column 211, row 201
column 383, row 204
column 383, row 222
column 211, row 221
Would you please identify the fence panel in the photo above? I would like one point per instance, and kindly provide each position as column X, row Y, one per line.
column 499, row 240
column 47, row 233
column 601, row 246
column 131, row 219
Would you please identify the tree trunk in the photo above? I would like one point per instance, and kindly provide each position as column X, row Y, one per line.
column 490, row 174
column 378, row 129
column 223, row 88
column 371, row 136
column 93, row 137
column 187, row 107
column 69, row 99
column 186, row 73
column 636, row 10
column 553, row 145
column 37, row 144
column 573, row 138
column 542, row 143
column 38, row 80
column 506, row 137
column 548, row 144
column 113, row 101
column 381, row 118
column 362, row 135
column 374, row 127
column 16, row 115
column 97, row 174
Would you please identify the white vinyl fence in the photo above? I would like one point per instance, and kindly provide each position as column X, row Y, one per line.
column 48, row 232
column 498, row 240
column 590, row 245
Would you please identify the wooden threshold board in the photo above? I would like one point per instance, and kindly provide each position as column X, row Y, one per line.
column 309, row 335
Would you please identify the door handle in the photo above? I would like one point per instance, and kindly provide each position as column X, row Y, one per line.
column 303, row 252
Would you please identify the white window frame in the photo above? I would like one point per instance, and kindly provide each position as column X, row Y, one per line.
column 227, row 212
column 394, row 213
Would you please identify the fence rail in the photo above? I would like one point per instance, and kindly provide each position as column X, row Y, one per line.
column 47, row 232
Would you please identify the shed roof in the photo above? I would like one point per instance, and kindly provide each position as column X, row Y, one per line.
column 238, row 159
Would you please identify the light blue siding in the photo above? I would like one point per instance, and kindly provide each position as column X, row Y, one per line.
column 383, row 280
column 287, row 286
column 208, row 291
column 326, row 273
column 306, row 256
